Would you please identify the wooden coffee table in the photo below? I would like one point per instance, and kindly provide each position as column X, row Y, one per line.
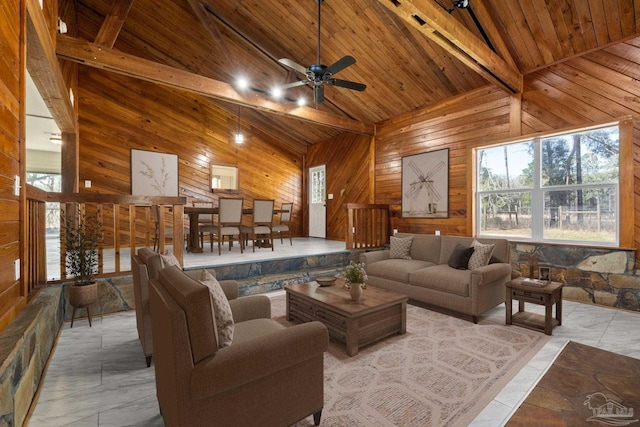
column 378, row 314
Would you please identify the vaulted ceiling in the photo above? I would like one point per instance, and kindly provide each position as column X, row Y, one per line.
column 410, row 54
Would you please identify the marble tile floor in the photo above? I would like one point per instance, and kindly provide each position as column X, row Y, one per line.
column 98, row 375
column 301, row 246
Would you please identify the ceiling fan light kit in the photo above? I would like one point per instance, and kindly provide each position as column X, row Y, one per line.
column 319, row 74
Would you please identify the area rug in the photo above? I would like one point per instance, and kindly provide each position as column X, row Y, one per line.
column 442, row 372
column 584, row 386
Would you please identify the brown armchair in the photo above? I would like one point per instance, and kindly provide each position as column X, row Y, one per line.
column 269, row 375
column 146, row 265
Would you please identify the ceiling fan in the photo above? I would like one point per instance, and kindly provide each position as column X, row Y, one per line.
column 319, row 74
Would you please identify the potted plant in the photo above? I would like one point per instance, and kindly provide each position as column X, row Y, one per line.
column 81, row 235
column 354, row 276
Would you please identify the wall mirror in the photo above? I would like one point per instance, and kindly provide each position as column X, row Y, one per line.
column 224, row 178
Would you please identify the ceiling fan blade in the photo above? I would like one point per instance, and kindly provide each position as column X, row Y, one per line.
column 294, row 66
column 294, row 84
column 347, row 84
column 318, row 94
column 340, row 65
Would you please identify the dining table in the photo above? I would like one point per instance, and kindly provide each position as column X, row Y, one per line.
column 193, row 244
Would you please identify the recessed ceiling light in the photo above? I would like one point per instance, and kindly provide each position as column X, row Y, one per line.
column 302, row 101
column 242, row 83
column 276, row 92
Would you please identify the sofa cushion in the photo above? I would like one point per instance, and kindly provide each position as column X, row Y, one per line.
column 442, row 278
column 400, row 247
column 221, row 310
column 392, row 269
column 255, row 328
column 481, row 254
column 426, row 247
column 459, row 259
column 193, row 298
column 152, row 260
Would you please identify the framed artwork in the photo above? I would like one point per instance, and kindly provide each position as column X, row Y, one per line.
column 425, row 185
column 154, row 174
column 544, row 273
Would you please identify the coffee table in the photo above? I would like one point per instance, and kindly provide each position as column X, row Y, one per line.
column 378, row 314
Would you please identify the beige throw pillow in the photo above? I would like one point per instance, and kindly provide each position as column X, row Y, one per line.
column 481, row 254
column 221, row 310
column 168, row 259
column 401, row 247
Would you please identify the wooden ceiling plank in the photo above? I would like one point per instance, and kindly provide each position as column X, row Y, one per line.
column 111, row 60
column 113, row 23
column 562, row 33
column 45, row 70
column 490, row 28
column 203, row 16
column 436, row 24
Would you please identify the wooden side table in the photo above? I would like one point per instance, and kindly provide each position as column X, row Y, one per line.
column 547, row 295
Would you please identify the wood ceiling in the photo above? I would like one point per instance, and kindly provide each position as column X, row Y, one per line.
column 410, row 54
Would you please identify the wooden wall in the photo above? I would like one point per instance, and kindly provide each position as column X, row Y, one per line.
column 347, row 158
column 119, row 113
column 12, row 57
column 595, row 88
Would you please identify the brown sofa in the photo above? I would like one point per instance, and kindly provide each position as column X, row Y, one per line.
column 146, row 265
column 427, row 277
column 269, row 375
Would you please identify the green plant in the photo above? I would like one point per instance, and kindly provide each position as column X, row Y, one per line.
column 81, row 235
column 354, row 273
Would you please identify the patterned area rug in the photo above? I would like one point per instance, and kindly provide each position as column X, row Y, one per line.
column 442, row 372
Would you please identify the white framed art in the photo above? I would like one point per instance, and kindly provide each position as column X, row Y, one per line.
column 154, row 174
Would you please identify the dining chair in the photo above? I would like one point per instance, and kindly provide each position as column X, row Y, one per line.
column 262, row 221
column 230, row 221
column 285, row 221
column 205, row 223
column 168, row 230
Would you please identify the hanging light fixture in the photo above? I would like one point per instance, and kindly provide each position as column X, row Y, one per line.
column 239, row 138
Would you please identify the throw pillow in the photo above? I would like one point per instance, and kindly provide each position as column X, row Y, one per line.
column 459, row 259
column 221, row 311
column 481, row 254
column 168, row 259
column 401, row 247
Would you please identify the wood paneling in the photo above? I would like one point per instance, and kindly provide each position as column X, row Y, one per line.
column 596, row 88
column 119, row 113
column 347, row 158
column 12, row 57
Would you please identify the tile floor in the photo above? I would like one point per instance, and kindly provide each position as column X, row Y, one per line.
column 98, row 375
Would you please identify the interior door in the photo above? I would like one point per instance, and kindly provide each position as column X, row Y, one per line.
column 317, row 202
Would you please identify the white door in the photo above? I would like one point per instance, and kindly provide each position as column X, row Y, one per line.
column 317, row 206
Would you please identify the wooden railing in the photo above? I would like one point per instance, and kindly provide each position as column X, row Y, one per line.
column 367, row 226
column 127, row 223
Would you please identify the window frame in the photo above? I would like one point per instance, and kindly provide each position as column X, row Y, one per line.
column 624, row 188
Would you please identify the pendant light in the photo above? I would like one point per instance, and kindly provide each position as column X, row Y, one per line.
column 239, row 138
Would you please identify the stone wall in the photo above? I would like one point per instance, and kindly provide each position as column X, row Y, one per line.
column 25, row 346
column 603, row 276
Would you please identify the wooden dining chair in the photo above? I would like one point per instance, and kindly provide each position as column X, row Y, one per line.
column 262, row 221
column 206, row 224
column 285, row 221
column 230, row 222
column 168, row 230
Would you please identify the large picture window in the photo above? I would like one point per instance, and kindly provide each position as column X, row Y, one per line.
column 561, row 188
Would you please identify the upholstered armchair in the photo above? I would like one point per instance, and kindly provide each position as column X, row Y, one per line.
column 146, row 265
column 269, row 375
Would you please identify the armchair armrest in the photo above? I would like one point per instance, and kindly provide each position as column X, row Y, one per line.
column 248, row 361
column 250, row 307
column 490, row 273
column 373, row 256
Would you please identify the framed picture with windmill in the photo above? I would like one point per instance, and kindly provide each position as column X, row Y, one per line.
column 425, row 185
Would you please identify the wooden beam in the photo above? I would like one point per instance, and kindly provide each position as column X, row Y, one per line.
column 435, row 23
column 112, row 60
column 45, row 71
column 113, row 23
column 491, row 30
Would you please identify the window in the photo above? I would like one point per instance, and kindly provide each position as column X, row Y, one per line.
column 561, row 188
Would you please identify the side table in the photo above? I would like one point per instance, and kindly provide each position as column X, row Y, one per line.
column 547, row 295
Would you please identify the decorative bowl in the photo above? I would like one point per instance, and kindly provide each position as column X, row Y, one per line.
column 325, row 280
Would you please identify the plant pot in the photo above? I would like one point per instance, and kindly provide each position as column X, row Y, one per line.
column 356, row 291
column 82, row 296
